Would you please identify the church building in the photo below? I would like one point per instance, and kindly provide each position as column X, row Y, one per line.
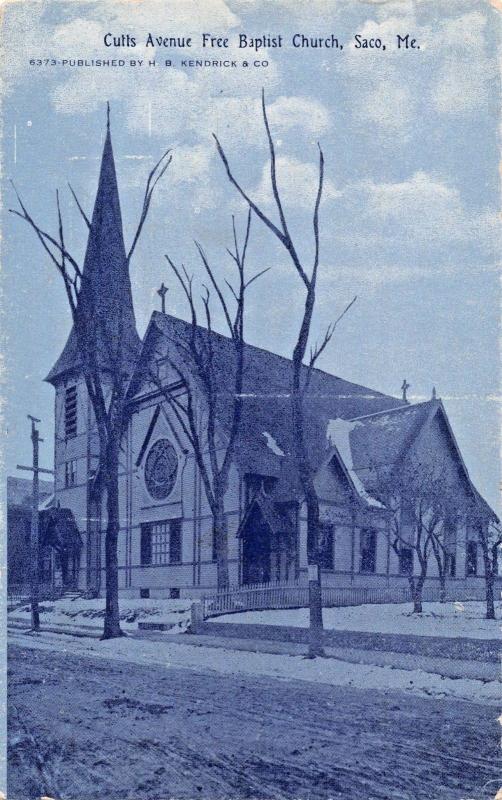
column 357, row 438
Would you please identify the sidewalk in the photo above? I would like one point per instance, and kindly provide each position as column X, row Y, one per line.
column 448, row 668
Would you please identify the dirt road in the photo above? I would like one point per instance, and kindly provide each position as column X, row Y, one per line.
column 83, row 729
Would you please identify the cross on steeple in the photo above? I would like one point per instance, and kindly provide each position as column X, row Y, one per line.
column 162, row 293
column 405, row 388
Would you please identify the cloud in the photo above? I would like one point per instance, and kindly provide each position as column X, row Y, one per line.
column 408, row 230
column 452, row 74
column 297, row 181
column 425, row 208
column 286, row 113
column 389, row 104
column 462, row 82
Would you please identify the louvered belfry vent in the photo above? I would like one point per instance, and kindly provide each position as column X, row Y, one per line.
column 70, row 412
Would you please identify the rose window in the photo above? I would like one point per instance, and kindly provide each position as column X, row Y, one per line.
column 161, row 469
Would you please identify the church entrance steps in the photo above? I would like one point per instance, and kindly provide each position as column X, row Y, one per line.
column 156, row 626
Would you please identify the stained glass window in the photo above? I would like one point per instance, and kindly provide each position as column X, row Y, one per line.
column 161, row 469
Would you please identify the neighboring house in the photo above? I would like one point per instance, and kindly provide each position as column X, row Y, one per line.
column 19, row 506
column 356, row 437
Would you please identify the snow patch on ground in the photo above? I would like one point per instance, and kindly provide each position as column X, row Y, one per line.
column 438, row 619
column 284, row 667
column 92, row 612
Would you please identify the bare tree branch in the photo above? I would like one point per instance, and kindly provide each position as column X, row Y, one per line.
column 84, row 215
column 153, row 178
column 215, row 286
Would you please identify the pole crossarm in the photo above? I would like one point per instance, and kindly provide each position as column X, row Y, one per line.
column 38, row 469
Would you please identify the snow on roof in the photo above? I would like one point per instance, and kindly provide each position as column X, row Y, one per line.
column 338, row 434
column 272, row 444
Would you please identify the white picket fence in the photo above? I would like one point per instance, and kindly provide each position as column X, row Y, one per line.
column 272, row 596
column 19, row 593
column 277, row 595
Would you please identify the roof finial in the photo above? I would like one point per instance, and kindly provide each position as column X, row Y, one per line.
column 108, row 116
column 433, row 392
column 162, row 293
column 405, row 388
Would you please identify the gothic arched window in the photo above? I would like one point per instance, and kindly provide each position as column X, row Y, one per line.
column 161, row 469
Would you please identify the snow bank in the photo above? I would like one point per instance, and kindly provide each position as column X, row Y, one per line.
column 284, row 667
column 92, row 612
column 438, row 619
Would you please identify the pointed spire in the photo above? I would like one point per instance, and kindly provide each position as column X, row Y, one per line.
column 106, row 286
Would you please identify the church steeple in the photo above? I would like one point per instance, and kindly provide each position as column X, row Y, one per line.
column 106, row 288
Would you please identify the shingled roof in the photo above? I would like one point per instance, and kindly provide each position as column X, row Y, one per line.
column 376, row 428
column 106, row 287
column 265, row 443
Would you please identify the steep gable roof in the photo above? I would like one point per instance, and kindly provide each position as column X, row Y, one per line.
column 382, row 428
column 106, row 288
column 266, row 431
column 381, row 438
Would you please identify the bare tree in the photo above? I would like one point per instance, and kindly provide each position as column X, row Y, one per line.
column 199, row 370
column 489, row 532
column 106, row 362
column 300, row 376
column 420, row 513
column 444, row 538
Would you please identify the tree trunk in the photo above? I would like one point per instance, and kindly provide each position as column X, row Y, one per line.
column 305, row 473
column 221, row 542
column 442, row 586
column 111, row 628
column 416, row 587
column 490, row 605
column 489, row 581
column 316, row 628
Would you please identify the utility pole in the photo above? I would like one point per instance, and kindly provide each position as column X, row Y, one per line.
column 34, row 543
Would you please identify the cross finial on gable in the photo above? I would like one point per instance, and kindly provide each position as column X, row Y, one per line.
column 162, row 293
column 405, row 388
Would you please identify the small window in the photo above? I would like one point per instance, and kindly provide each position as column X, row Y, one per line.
column 70, row 412
column 161, row 542
column 368, row 551
column 144, row 594
column 325, row 546
column 451, row 565
column 146, row 544
column 175, row 542
column 408, row 519
column 174, row 594
column 405, row 561
column 471, row 561
column 70, row 472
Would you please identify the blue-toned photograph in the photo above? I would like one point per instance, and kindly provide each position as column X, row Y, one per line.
column 251, row 400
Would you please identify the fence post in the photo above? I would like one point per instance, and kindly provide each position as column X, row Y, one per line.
column 196, row 616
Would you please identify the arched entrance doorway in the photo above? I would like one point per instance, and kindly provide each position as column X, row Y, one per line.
column 59, row 533
column 268, row 542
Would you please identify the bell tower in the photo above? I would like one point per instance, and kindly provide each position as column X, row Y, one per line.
column 105, row 292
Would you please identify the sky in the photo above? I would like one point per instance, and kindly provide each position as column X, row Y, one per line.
column 409, row 213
